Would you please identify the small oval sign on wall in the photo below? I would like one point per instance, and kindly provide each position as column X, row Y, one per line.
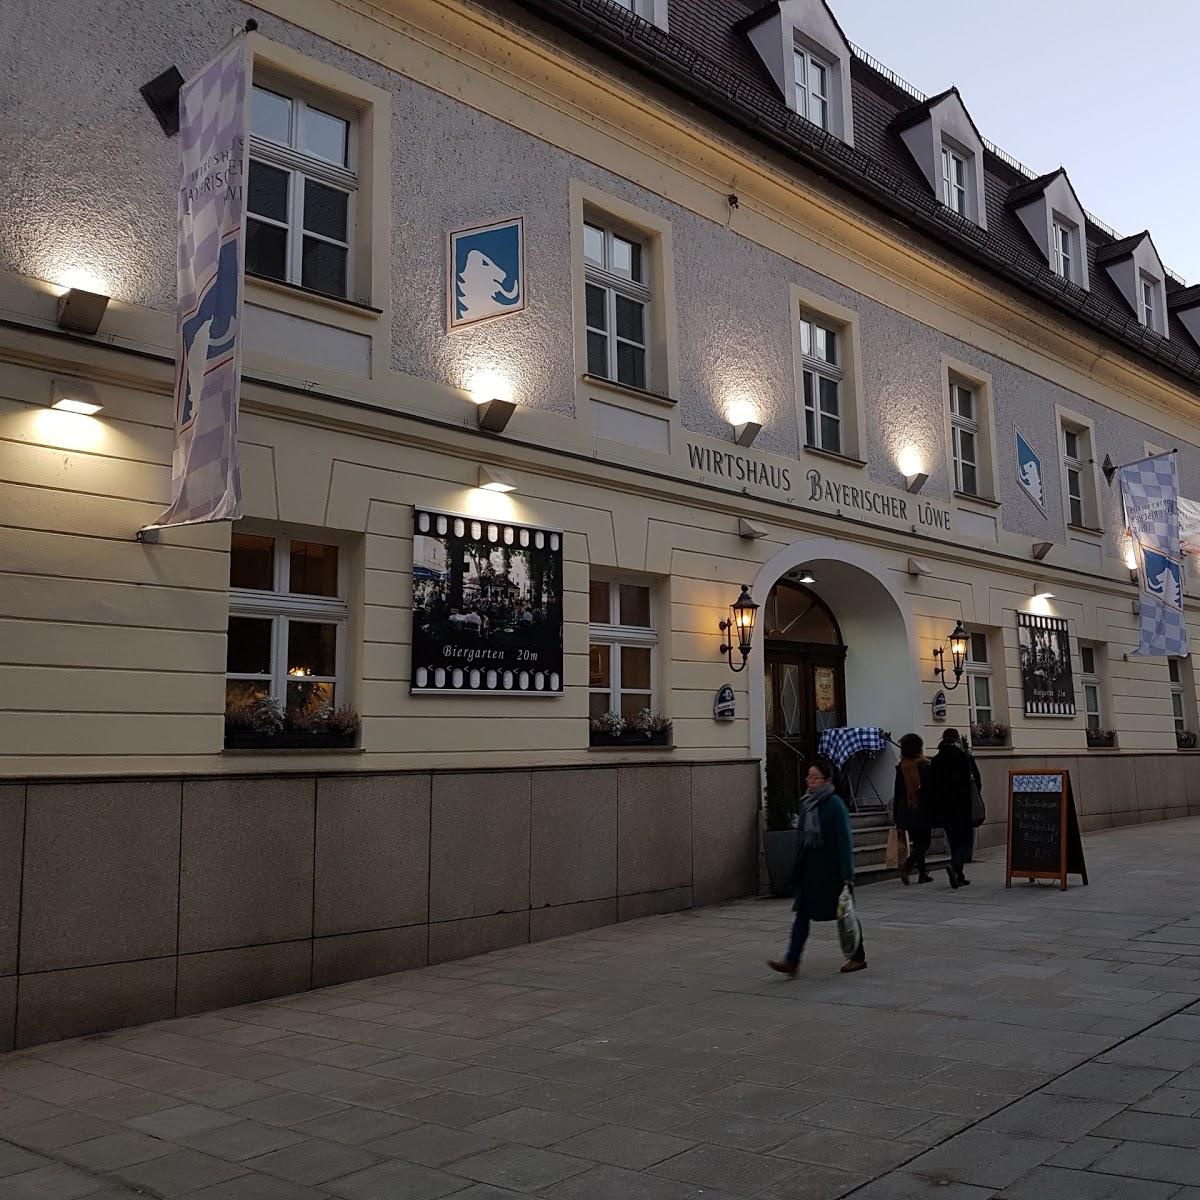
column 939, row 706
column 723, row 704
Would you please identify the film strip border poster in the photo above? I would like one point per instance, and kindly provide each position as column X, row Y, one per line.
column 487, row 614
column 1045, row 648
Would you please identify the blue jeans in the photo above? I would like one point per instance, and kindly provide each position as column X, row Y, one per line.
column 800, row 928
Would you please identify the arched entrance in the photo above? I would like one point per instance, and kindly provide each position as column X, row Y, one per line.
column 856, row 639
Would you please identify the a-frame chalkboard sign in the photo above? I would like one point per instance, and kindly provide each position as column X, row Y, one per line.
column 1043, row 828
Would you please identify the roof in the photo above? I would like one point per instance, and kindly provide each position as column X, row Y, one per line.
column 1023, row 193
column 1122, row 248
column 1184, row 298
column 918, row 112
column 707, row 58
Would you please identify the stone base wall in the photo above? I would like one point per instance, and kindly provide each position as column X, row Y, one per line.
column 1111, row 789
column 131, row 900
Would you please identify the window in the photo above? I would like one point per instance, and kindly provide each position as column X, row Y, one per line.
column 954, row 181
column 1063, row 250
column 978, row 672
column 964, row 436
column 820, row 350
column 1178, row 709
column 300, row 194
column 812, row 88
column 1078, row 474
column 621, row 650
column 287, row 621
column 1089, row 665
column 1074, row 477
column 617, row 304
column 640, row 8
column 1148, row 295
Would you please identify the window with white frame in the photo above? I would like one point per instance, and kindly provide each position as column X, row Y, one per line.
column 621, row 650
column 1183, row 697
column 1077, row 469
column 1148, row 297
column 301, row 191
column 617, row 305
column 821, row 354
column 964, row 437
column 1093, row 686
column 954, row 181
column 812, row 88
column 1063, row 249
column 641, row 8
column 287, row 624
column 977, row 669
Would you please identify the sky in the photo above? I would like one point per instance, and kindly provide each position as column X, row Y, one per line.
column 1109, row 89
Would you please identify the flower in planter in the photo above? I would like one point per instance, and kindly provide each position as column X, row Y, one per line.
column 650, row 723
column 344, row 721
column 611, row 724
column 1186, row 739
column 1101, row 738
column 993, row 733
column 267, row 715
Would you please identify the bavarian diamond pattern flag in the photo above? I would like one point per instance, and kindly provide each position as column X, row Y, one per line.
column 1151, row 496
column 205, row 480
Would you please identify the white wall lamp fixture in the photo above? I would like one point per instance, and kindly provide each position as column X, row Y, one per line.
column 492, row 480
column 745, row 432
column 805, row 575
column 738, row 630
column 749, row 530
column 1042, row 591
column 75, row 396
column 915, row 482
column 81, row 311
column 1041, row 549
column 917, row 568
column 494, row 415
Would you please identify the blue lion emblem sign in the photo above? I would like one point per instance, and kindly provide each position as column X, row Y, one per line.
column 486, row 272
column 1164, row 577
column 1029, row 471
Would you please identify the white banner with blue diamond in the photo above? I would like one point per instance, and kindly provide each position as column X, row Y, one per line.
column 1150, row 493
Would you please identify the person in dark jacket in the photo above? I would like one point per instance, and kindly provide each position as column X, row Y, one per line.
column 950, row 777
column 910, row 806
column 824, row 865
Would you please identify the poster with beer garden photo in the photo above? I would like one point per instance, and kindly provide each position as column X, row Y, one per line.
column 1045, row 649
column 487, row 606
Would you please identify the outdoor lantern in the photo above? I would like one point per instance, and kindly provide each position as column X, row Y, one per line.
column 958, row 655
column 742, row 614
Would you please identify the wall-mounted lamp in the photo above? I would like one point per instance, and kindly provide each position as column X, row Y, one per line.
column 745, row 432
column 749, row 530
column 81, row 311
column 1042, row 591
column 958, row 655
column 916, row 567
column 915, row 482
column 1041, row 549
column 492, row 480
column 742, row 614
column 805, row 575
column 75, row 396
column 1133, row 575
column 161, row 95
column 494, row 415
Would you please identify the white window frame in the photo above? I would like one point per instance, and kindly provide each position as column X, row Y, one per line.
column 1092, row 682
column 807, row 97
column 1183, row 695
column 960, row 425
column 816, row 369
column 1149, row 300
column 614, row 284
column 615, row 635
column 955, row 191
column 654, row 11
column 1064, row 246
column 1073, row 465
column 979, row 669
column 282, row 606
column 301, row 167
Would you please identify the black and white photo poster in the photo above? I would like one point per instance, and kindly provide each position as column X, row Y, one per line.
column 487, row 606
column 1045, row 650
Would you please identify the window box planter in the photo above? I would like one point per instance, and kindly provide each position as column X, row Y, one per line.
column 989, row 735
column 1101, row 739
column 289, row 739
column 989, row 743
column 660, row 737
column 1186, row 740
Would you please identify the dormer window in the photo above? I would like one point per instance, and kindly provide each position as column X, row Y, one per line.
column 1063, row 247
column 812, row 88
column 654, row 11
column 954, row 181
column 1150, row 306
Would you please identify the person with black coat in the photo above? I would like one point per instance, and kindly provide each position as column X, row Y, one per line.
column 951, row 775
column 910, row 806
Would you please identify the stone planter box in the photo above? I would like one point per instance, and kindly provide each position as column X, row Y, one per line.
column 659, row 738
column 289, row 739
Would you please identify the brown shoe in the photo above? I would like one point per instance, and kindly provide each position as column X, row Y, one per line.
column 854, row 964
column 783, row 966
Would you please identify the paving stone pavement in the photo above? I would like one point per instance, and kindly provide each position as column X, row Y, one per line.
column 1003, row 1045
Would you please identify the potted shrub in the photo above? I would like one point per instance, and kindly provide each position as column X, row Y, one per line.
column 1185, row 739
column 1101, row 739
column 646, row 729
column 264, row 724
column 989, row 733
column 779, row 837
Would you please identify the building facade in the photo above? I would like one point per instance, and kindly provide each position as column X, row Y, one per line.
column 560, row 315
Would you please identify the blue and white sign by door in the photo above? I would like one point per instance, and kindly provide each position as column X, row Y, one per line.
column 1029, row 471
column 486, row 272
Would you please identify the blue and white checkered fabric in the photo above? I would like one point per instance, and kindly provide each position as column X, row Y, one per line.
column 841, row 745
column 1151, row 494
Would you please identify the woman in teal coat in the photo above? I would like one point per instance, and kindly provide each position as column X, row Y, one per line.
column 824, row 865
